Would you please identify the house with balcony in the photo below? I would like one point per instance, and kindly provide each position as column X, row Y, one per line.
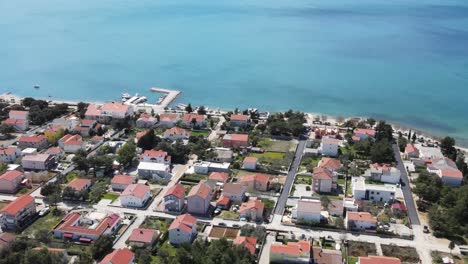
column 120, row 182
column 119, row 256
column 256, row 182
column 156, row 156
column 38, row 142
column 143, row 238
column 17, row 213
column 9, row 154
column 174, row 199
column 176, row 133
column 153, row 170
column 183, row 229
column 293, row 252
column 235, row 192
column 10, row 181
column 360, row 221
column 38, row 162
column 135, row 195
column 252, row 210
column 235, row 141
column 198, row 199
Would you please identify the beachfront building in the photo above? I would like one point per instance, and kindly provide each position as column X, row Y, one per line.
column 363, row 133
column 372, row 192
column 329, row 146
column 239, row 120
column 411, row 151
column 235, row 141
column 78, row 227
column 293, row 252
column 119, row 256
column 38, row 162
column 383, row 173
column 10, row 181
column 9, row 154
column 135, row 195
column 17, row 213
column 109, row 111
column 38, row 142
column 194, row 120
column 120, row 182
column 146, row 121
column 447, row 171
column 156, row 156
column 360, row 221
column 155, row 171
column 168, row 119
column 198, row 199
column 183, row 229
column 176, row 133
column 174, row 199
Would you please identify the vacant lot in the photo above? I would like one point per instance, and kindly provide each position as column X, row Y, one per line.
column 229, row 215
column 405, row 254
column 161, row 224
column 110, row 196
column 357, row 249
column 194, row 177
column 46, row 222
column 269, row 155
column 226, row 232
column 303, row 180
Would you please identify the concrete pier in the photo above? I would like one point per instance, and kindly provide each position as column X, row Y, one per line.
column 171, row 95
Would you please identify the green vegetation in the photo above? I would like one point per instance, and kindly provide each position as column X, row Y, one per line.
column 200, row 133
column 40, row 111
column 310, row 162
column 101, row 247
column 300, row 179
column 249, row 230
column 110, row 196
column 194, row 177
column 405, row 254
column 287, row 124
column 229, row 215
column 160, row 224
column 46, row 222
column 268, row 155
column 127, row 154
column 269, row 204
column 356, row 249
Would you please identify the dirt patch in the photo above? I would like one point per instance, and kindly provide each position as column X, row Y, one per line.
column 226, row 232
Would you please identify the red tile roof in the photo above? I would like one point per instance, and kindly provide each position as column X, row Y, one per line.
column 93, row 110
column 190, row 117
column 291, row 248
column 16, row 205
column 322, row 174
column 12, row 121
column 69, row 224
column 168, row 117
column 18, row 113
column 176, row 190
column 8, row 151
column 330, row 163
column 223, row 200
column 239, row 117
column 219, row 176
column 252, row 204
column 378, row 260
column 32, row 139
column 399, row 206
column 142, row 235
column 256, row 177
column 361, row 216
column 369, row 132
column 184, row 222
column 451, row 173
column 201, row 189
column 410, row 148
column 118, row 256
column 176, row 131
column 137, row 190
column 330, row 140
column 141, row 134
column 115, row 107
column 78, row 184
column 123, row 179
column 248, row 242
column 69, row 139
column 250, row 160
column 11, row 175
column 54, row 150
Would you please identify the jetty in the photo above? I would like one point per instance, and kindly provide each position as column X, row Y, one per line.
column 168, row 97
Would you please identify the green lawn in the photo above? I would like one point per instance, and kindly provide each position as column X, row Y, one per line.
column 303, row 180
column 229, row 215
column 194, row 177
column 110, row 196
column 352, row 260
column 269, row 155
column 156, row 223
column 310, row 162
column 200, row 133
column 71, row 176
column 45, row 222
column 341, row 182
column 269, row 204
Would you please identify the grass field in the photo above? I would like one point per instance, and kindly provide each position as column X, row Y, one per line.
column 156, row 223
column 200, row 133
column 303, row 180
column 269, row 204
column 277, row 145
column 110, row 196
column 229, row 215
column 46, row 222
column 268, row 155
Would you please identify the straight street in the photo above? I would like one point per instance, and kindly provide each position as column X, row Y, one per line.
column 405, row 187
column 290, row 178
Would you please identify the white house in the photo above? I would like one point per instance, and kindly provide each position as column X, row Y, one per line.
column 156, row 171
column 383, row 173
column 204, row 167
column 121, row 182
column 176, row 133
column 373, row 192
column 9, row 154
column 135, row 195
column 360, row 221
column 157, row 156
column 71, row 143
column 329, row 146
column 183, row 229
column 146, row 121
column 38, row 162
column 108, row 111
column 250, row 163
column 308, row 210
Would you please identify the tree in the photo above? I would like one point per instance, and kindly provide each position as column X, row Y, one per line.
column 6, row 129
column 447, row 146
column 409, row 135
column 81, row 109
column 42, row 235
column 189, row 108
column 371, row 121
column 383, row 131
column 101, row 247
column 402, row 142
column 413, row 139
column 127, row 154
column 325, row 201
column 382, row 152
column 201, row 110
column 149, row 140
column 97, row 191
column 49, row 188
column 451, row 246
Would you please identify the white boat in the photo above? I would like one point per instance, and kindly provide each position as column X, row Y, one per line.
column 125, row 97
column 140, row 100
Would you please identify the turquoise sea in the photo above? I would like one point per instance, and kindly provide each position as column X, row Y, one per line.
column 403, row 60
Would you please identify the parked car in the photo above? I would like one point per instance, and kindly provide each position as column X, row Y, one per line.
column 222, row 224
column 44, row 211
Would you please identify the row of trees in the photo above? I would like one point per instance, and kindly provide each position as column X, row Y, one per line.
column 379, row 149
column 287, row 124
column 40, row 112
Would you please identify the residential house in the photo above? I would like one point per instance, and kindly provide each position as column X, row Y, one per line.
column 360, row 221
column 430, row 152
column 222, row 155
column 323, row 180
column 447, row 171
column 350, row 204
column 38, row 162
column 374, row 192
column 33, row 141
column 223, row 202
column 71, row 143
column 85, row 127
column 143, row 238
column 250, row 163
column 108, row 111
column 120, row 182
column 86, row 228
column 411, row 151
column 135, row 195
column 174, row 199
column 308, row 211
column 96, row 140
column 239, row 120
column 329, row 146
column 363, row 133
column 188, row 120
column 378, row 260
column 79, row 185
column 9, row 154
column 17, row 114
column 17, row 213
column 336, row 208
column 235, row 141
column 252, row 210
column 68, row 122
column 234, row 191
column 198, row 199
column 57, row 152
column 250, row 243
column 157, row 156
column 119, row 256
column 398, row 208
column 204, row 167
column 293, row 252
column 10, row 181
column 155, row 171
column 256, row 182
column 326, row 256
column 183, row 229
column 146, row 121
column 383, row 173
column 330, row 164
column 18, row 120
column 168, row 120
column 219, row 177
column 176, row 133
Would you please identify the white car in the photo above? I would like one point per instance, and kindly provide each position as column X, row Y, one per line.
column 44, row 211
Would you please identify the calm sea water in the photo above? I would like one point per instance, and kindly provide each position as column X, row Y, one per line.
column 403, row 60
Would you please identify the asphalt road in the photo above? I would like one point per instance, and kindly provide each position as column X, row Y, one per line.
column 405, row 187
column 290, row 178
